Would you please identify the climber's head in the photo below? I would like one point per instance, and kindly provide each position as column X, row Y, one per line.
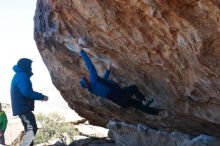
column 84, row 82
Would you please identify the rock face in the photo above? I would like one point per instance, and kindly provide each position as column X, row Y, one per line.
column 129, row 135
column 169, row 48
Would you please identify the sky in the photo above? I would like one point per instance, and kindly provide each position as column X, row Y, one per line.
column 17, row 41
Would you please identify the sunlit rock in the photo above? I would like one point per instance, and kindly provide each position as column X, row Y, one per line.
column 169, row 48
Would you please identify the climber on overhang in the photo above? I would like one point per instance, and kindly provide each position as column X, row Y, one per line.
column 103, row 87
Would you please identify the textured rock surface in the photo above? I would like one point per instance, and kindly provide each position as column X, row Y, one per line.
column 169, row 48
column 130, row 135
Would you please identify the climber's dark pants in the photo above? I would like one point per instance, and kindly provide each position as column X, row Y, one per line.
column 125, row 100
column 129, row 91
column 30, row 127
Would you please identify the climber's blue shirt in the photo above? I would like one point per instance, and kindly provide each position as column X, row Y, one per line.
column 22, row 94
column 100, row 86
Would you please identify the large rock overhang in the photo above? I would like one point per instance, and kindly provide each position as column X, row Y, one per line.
column 169, row 49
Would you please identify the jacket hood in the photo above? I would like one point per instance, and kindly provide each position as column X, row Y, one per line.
column 17, row 69
column 23, row 65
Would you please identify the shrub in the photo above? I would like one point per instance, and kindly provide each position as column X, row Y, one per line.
column 52, row 126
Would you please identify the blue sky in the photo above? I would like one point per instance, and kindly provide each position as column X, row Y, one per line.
column 16, row 41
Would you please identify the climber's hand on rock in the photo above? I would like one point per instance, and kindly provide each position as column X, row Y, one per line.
column 78, row 48
column 81, row 42
column 73, row 46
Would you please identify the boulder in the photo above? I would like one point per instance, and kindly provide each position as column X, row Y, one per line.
column 168, row 48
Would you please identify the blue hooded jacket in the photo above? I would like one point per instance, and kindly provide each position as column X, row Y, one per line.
column 100, row 86
column 22, row 94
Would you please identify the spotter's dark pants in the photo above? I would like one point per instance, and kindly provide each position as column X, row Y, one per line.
column 30, row 127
